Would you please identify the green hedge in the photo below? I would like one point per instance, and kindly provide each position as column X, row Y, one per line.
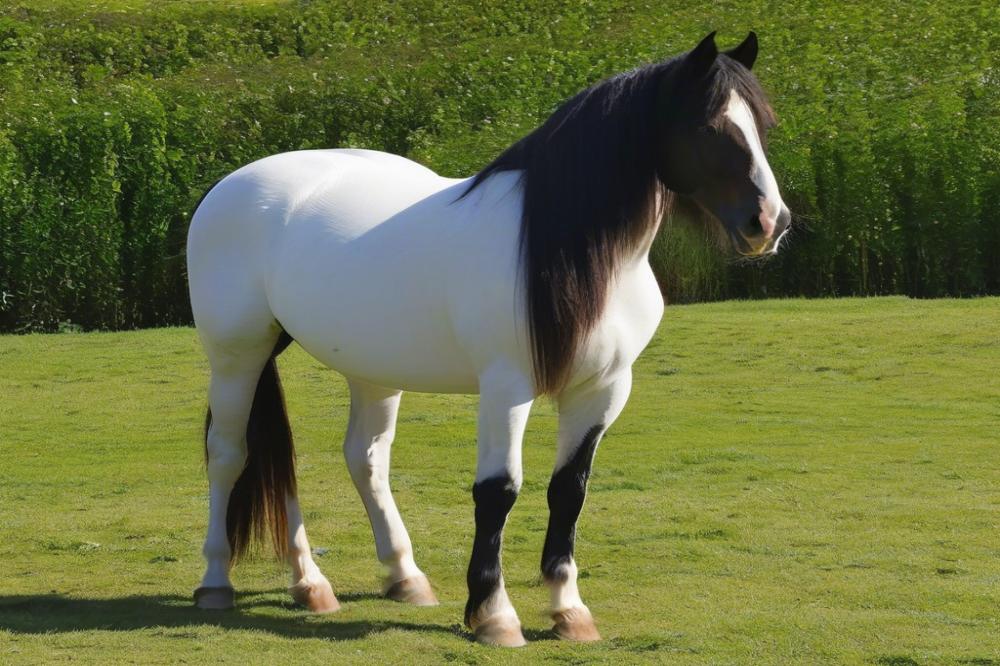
column 114, row 118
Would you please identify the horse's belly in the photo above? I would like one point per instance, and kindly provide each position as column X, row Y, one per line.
column 388, row 342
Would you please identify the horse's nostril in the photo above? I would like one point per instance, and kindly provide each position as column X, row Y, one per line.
column 753, row 228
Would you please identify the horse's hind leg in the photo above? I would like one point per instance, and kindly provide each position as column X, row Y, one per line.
column 584, row 415
column 367, row 446
column 309, row 586
column 236, row 369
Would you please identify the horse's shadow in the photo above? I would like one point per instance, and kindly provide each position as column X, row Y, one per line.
column 42, row 614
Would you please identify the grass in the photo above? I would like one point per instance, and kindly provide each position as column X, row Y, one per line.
column 792, row 482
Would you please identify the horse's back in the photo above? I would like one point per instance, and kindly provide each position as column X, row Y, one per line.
column 273, row 191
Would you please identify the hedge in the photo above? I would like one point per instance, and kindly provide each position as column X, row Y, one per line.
column 116, row 115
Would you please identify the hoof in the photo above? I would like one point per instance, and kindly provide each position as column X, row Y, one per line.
column 214, row 598
column 414, row 590
column 501, row 631
column 317, row 596
column 575, row 624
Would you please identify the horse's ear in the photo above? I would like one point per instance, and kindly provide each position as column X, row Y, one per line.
column 701, row 58
column 745, row 53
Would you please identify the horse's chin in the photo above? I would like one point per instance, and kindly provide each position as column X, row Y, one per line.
column 743, row 248
column 748, row 250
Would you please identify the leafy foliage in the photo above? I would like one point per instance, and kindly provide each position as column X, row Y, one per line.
column 115, row 115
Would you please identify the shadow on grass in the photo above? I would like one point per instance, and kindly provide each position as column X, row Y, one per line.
column 41, row 614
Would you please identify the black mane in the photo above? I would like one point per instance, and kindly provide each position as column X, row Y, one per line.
column 590, row 193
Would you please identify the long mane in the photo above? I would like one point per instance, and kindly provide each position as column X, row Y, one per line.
column 591, row 198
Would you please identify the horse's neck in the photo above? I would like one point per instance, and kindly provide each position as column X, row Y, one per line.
column 640, row 254
column 646, row 245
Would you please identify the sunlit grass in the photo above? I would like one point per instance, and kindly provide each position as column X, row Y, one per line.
column 792, row 482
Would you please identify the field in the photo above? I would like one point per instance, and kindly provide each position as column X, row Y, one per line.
column 792, row 482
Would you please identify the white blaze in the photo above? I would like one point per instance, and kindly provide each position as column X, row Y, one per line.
column 739, row 113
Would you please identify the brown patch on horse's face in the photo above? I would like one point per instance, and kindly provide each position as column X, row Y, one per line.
column 726, row 191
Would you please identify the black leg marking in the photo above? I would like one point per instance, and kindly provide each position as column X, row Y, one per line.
column 494, row 499
column 567, row 490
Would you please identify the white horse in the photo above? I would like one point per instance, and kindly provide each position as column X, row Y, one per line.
column 530, row 278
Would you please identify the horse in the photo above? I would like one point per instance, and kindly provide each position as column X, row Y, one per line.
column 529, row 279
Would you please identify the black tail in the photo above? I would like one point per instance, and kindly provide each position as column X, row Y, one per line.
column 257, row 502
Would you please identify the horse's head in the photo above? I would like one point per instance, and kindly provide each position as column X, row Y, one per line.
column 713, row 119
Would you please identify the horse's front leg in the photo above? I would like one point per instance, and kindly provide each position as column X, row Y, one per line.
column 585, row 413
column 505, row 401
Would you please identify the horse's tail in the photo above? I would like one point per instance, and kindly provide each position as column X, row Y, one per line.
column 257, row 503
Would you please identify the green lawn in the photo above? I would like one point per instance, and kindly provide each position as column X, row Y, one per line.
column 792, row 482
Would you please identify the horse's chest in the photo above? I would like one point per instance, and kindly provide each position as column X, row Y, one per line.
column 633, row 313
